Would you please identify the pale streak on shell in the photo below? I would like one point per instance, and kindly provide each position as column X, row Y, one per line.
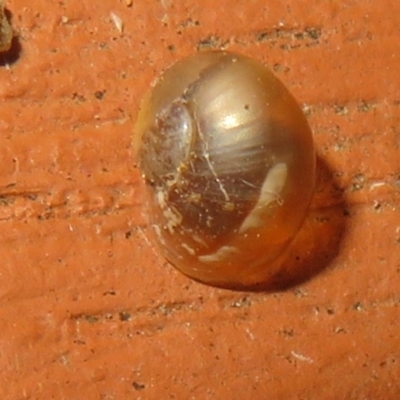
column 174, row 219
column 188, row 249
column 161, row 198
column 270, row 191
column 222, row 253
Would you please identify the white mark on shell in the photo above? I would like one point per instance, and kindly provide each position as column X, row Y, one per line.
column 174, row 219
column 161, row 199
column 270, row 191
column 188, row 249
column 222, row 253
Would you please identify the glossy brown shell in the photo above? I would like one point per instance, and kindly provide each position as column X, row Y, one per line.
column 228, row 160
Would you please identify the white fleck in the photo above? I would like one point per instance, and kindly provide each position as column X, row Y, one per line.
column 157, row 230
column 228, row 206
column 188, row 249
column 199, row 240
column 376, row 185
column 248, row 331
column 174, row 219
column 376, row 204
column 249, row 184
column 117, row 22
column 143, row 235
column 270, row 191
column 301, row 357
column 220, row 254
column 64, row 360
column 161, row 199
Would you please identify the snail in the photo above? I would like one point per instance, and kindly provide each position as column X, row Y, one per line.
column 228, row 162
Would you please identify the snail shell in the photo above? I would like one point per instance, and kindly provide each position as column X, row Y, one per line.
column 228, row 160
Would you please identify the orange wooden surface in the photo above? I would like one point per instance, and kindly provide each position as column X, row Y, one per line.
column 89, row 310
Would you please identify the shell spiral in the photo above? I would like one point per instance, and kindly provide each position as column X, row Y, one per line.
column 228, row 162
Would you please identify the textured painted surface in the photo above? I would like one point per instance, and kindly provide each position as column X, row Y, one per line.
column 89, row 310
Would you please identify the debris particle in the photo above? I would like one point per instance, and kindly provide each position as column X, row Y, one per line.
column 138, row 386
column 128, row 3
column 376, row 185
column 302, row 357
column 99, row 94
column 117, row 21
column 124, row 316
